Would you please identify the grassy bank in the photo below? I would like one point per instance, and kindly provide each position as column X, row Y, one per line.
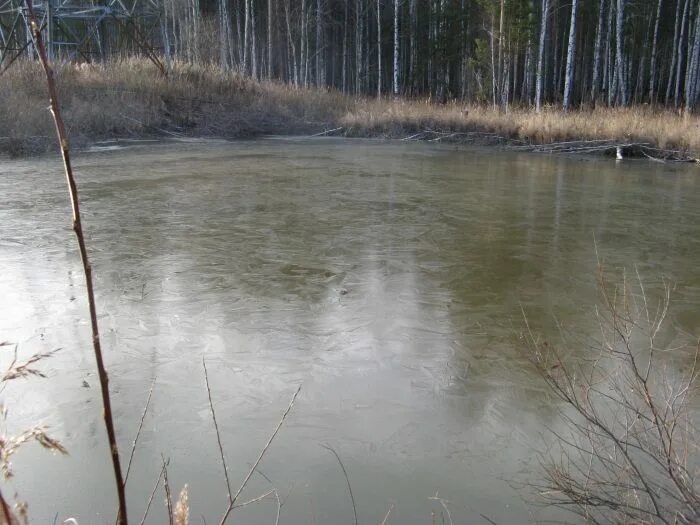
column 130, row 99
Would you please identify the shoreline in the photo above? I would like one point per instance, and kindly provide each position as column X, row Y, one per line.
column 130, row 100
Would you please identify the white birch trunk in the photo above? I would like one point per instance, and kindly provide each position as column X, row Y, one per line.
column 358, row 46
column 620, row 61
column 246, row 36
column 292, row 45
column 652, row 63
column 396, row 48
column 253, row 46
column 540, row 55
column 691, row 76
column 379, row 49
column 343, row 74
column 320, row 64
column 269, row 38
column 570, row 58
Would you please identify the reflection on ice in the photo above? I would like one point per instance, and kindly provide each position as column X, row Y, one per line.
column 387, row 277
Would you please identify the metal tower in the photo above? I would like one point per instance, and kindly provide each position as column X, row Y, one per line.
column 83, row 30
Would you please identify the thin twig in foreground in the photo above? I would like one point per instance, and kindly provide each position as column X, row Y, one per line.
column 218, row 434
column 254, row 500
column 87, row 268
column 153, row 493
column 443, row 502
column 347, row 479
column 262, row 453
column 388, row 513
column 168, row 495
column 279, row 507
column 138, row 432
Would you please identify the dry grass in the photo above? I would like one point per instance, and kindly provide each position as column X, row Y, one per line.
column 129, row 98
column 398, row 119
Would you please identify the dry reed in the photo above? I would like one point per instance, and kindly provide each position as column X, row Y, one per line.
column 130, row 98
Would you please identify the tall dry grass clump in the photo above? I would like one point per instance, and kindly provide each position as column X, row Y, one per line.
column 131, row 98
column 12, row 513
column 399, row 119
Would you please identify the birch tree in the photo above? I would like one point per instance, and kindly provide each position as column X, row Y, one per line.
column 396, row 48
column 570, row 57
column 379, row 49
column 540, row 54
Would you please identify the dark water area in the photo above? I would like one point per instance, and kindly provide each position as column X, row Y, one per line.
column 387, row 277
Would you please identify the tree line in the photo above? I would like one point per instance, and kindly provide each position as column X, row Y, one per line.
column 503, row 52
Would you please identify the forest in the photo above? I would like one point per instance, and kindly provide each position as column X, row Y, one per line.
column 502, row 52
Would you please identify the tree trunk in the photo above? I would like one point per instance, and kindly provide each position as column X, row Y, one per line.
column 379, row 49
column 358, row 46
column 320, row 62
column 596, row 52
column 540, row 54
column 499, row 75
column 621, row 80
column 223, row 34
column 692, row 74
column 413, row 47
column 679, row 59
column 396, row 48
column 570, row 58
column 246, row 37
column 343, row 73
column 253, row 50
column 652, row 63
column 304, row 59
column 494, row 73
column 269, row 38
column 292, row 45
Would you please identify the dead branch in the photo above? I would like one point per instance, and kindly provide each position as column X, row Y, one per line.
column 168, row 493
column 138, row 432
column 626, row 453
column 260, row 457
column 347, row 479
column 153, row 493
column 218, row 434
column 87, row 268
column 386, row 516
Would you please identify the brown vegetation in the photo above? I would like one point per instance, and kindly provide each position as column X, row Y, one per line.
column 398, row 119
column 627, row 452
column 131, row 99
